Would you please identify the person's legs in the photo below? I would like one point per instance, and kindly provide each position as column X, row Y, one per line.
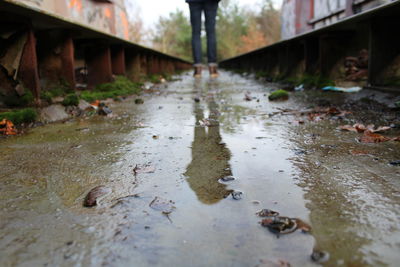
column 210, row 11
column 195, row 20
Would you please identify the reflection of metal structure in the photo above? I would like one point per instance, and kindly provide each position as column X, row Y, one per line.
column 322, row 53
column 45, row 43
column 299, row 16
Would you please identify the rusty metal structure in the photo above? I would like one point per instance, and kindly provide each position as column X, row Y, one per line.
column 74, row 42
column 357, row 49
column 300, row 16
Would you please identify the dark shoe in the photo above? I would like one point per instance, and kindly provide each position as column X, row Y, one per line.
column 197, row 71
column 213, row 71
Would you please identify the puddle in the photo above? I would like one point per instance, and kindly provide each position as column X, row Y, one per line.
column 179, row 212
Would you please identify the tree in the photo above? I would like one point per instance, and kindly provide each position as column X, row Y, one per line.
column 173, row 35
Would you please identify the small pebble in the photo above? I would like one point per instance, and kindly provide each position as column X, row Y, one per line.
column 320, row 256
column 227, row 178
column 237, row 195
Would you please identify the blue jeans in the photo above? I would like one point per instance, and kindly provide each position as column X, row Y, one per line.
column 210, row 9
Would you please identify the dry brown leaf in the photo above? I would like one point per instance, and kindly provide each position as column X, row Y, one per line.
column 359, row 152
column 348, row 128
column 370, row 137
column 382, row 129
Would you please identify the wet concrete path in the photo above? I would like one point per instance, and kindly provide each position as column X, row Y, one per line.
column 179, row 213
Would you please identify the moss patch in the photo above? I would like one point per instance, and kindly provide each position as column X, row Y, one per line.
column 278, row 95
column 19, row 101
column 20, row 116
column 122, row 86
column 70, row 100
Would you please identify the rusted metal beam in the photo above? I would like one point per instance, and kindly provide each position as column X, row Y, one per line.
column 28, row 70
column 118, row 60
column 98, row 61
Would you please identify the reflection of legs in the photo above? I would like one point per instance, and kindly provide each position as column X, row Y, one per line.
column 195, row 20
column 210, row 11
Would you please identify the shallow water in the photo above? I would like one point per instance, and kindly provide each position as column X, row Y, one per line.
column 303, row 171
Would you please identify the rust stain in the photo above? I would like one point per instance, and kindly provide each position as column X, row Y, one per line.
column 107, row 13
column 77, row 4
column 125, row 24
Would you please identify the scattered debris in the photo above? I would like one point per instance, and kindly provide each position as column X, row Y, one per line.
column 370, row 137
column 303, row 226
column 356, row 68
column 144, row 169
column 139, row 101
column 342, row 89
column 360, row 128
column 320, row 256
column 270, row 263
column 395, row 163
column 236, row 195
column 247, row 96
column 7, row 127
column 104, row 110
column 163, row 205
column 95, row 195
column 280, row 224
column 208, row 122
column 299, row 88
column 267, row 213
column 227, row 179
column 359, row 153
column 278, row 95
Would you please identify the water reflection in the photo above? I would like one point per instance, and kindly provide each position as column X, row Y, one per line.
column 210, row 157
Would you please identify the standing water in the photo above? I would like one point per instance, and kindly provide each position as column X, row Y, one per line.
column 164, row 164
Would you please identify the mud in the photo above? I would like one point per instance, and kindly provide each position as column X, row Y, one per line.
column 303, row 170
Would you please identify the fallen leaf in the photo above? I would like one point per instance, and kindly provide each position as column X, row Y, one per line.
column 303, row 226
column 143, row 169
column 382, row 129
column 370, row 137
column 163, row 205
column 348, row 128
column 277, row 263
column 359, row 152
column 7, row 127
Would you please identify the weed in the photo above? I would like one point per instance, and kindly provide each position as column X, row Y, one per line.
column 20, row 116
column 278, row 95
column 122, row 86
column 70, row 100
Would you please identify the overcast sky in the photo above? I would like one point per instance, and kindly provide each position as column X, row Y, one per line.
column 151, row 10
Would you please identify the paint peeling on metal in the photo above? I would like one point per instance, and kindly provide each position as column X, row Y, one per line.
column 323, row 13
column 108, row 17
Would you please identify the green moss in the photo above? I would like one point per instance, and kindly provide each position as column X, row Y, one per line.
column 20, row 116
column 19, row 101
column 122, row 86
column 392, row 82
column 46, row 96
column 278, row 95
column 70, row 100
column 153, row 78
column 317, row 81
